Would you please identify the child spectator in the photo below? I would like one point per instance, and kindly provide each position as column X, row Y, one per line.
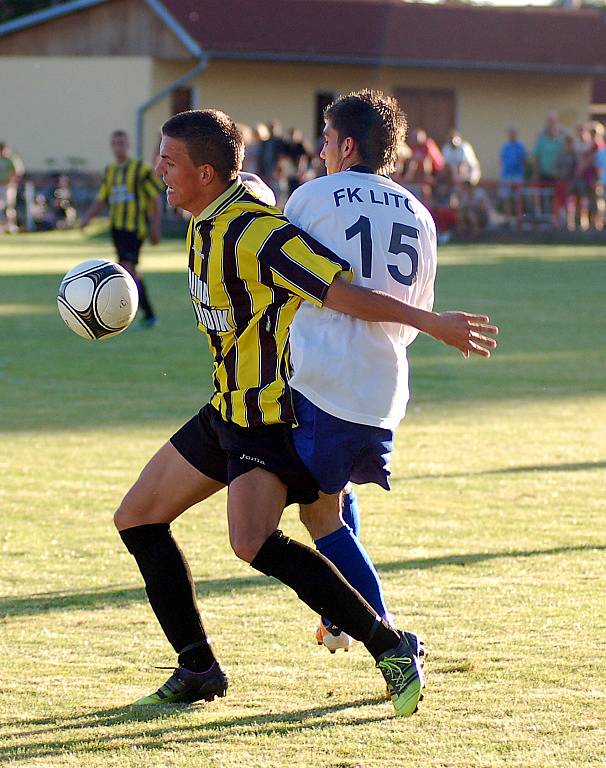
column 474, row 212
column 513, row 170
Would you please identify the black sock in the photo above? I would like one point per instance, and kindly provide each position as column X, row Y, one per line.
column 144, row 301
column 170, row 590
column 319, row 584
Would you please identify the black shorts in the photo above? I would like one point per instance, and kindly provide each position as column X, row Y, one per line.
column 224, row 451
column 127, row 245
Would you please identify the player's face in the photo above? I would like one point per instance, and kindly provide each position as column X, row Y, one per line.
column 181, row 176
column 120, row 148
column 332, row 151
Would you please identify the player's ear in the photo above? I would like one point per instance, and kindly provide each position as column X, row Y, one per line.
column 348, row 146
column 206, row 174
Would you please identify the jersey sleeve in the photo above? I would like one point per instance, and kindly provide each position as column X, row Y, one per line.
column 104, row 190
column 295, row 206
column 302, row 265
column 151, row 185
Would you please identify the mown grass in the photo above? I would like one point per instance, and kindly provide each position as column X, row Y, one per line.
column 491, row 543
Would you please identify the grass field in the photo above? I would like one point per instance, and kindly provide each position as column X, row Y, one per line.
column 492, row 543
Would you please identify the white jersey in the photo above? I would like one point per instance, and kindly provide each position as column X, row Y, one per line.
column 350, row 368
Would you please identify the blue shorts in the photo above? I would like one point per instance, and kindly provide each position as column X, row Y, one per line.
column 337, row 451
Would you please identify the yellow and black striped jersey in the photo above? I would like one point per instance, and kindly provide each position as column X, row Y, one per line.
column 249, row 270
column 128, row 189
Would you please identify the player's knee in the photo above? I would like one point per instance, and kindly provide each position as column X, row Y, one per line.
column 130, row 514
column 123, row 517
column 120, row 519
column 315, row 524
column 244, row 548
column 321, row 518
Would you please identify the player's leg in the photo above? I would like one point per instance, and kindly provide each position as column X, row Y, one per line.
column 255, row 505
column 350, row 509
column 128, row 246
column 172, row 482
column 334, row 450
column 337, row 542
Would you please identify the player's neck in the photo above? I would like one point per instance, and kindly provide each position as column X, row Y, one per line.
column 349, row 162
column 208, row 195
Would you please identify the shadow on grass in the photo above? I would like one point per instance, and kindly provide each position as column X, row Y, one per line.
column 91, row 599
column 581, row 466
column 425, row 563
column 180, row 732
column 99, row 598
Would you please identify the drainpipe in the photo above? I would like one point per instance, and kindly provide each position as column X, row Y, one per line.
column 192, row 46
column 200, row 67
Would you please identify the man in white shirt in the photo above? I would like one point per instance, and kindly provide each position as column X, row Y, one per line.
column 350, row 377
column 462, row 159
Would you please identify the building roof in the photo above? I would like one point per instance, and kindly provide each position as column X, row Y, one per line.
column 393, row 32
column 599, row 90
column 375, row 32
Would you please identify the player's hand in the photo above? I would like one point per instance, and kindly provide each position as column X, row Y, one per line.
column 154, row 238
column 465, row 332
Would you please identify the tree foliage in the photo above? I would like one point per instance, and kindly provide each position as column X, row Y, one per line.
column 11, row 9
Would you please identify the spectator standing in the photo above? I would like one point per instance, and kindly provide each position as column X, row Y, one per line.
column 547, row 149
column 600, row 164
column 253, row 141
column 62, row 206
column 300, row 155
column 271, row 150
column 596, row 142
column 460, row 156
column 425, row 163
column 444, row 204
column 565, row 194
column 11, row 171
column 513, row 171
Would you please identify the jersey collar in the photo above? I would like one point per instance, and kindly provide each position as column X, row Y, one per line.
column 219, row 204
column 359, row 168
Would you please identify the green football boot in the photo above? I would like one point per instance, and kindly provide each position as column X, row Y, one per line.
column 402, row 668
column 185, row 687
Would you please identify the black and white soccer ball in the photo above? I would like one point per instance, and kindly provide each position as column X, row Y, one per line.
column 97, row 299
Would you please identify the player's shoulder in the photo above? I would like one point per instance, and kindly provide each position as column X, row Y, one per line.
column 311, row 188
column 413, row 204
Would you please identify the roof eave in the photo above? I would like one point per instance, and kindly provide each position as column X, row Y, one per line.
column 170, row 21
column 382, row 61
column 40, row 17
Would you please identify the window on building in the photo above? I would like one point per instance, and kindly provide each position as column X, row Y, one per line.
column 181, row 100
column 323, row 99
column 431, row 109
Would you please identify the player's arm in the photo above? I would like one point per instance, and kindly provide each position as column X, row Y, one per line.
column 99, row 201
column 155, row 220
column 461, row 330
column 92, row 212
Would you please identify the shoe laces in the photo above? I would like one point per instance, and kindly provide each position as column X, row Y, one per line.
column 393, row 669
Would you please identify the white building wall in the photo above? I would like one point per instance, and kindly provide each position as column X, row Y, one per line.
column 57, row 108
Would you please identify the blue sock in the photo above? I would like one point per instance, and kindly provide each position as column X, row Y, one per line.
column 350, row 512
column 346, row 552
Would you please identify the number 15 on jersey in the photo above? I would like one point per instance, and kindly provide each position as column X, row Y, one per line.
column 363, row 228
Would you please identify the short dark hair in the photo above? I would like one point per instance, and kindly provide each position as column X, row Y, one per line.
column 119, row 132
column 210, row 136
column 374, row 121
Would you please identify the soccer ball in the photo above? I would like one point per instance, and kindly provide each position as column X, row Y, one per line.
column 97, row 299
